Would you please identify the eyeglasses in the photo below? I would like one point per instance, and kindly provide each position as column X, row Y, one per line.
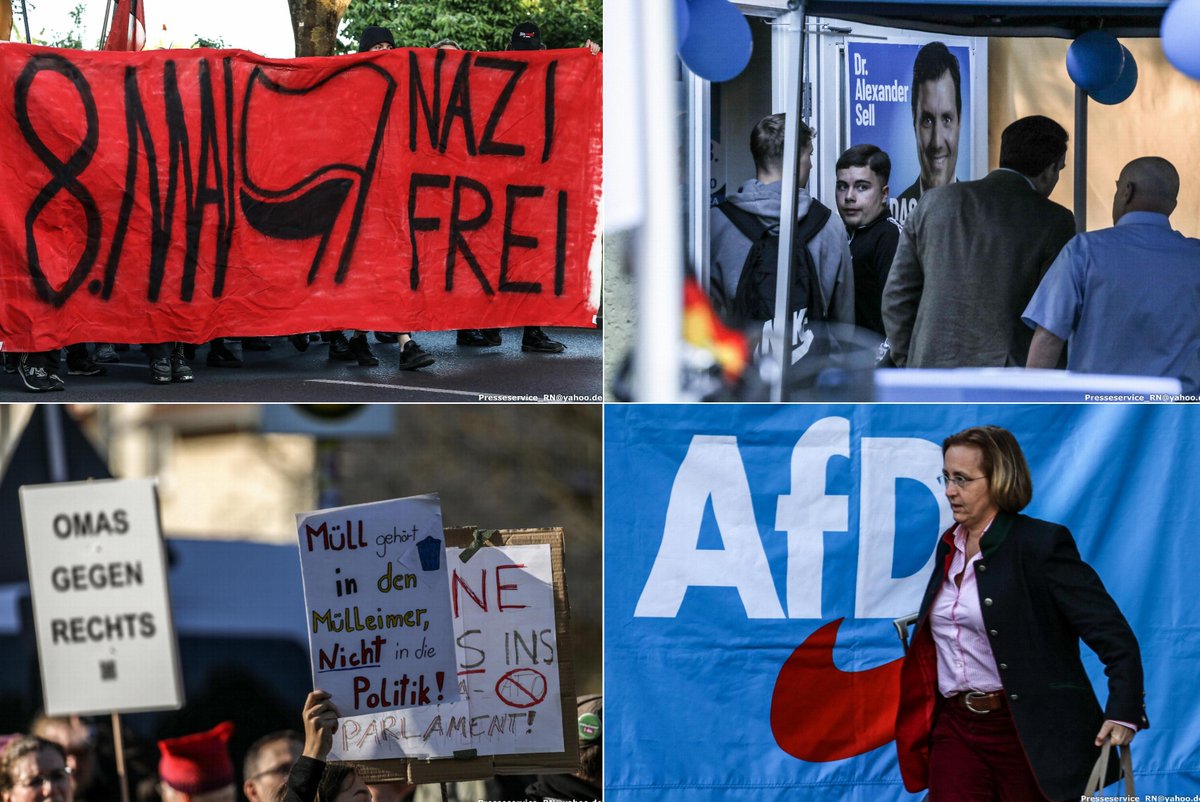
column 945, row 480
column 54, row 777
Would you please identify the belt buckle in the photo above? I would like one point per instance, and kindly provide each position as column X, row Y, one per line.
column 969, row 695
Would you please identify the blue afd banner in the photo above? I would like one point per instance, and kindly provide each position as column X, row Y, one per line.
column 756, row 557
column 933, row 146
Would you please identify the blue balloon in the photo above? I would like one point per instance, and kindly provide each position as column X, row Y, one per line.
column 718, row 41
column 1123, row 88
column 1180, row 36
column 1094, row 60
column 682, row 20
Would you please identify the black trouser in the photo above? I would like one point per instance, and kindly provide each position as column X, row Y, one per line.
column 50, row 360
column 155, row 351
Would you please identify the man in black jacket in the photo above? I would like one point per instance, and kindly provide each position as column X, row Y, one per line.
column 862, row 200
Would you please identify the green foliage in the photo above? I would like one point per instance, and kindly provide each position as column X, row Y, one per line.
column 216, row 44
column 474, row 24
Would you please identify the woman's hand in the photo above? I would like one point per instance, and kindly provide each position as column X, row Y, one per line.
column 320, row 723
column 1118, row 733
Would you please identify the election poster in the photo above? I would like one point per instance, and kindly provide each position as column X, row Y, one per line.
column 764, row 554
column 378, row 615
column 182, row 195
column 914, row 102
column 101, row 608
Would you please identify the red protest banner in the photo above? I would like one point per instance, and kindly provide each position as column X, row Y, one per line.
column 185, row 195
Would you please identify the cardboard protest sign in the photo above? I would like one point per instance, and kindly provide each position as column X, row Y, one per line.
column 184, row 195
column 517, row 713
column 379, row 625
column 101, row 609
column 502, row 601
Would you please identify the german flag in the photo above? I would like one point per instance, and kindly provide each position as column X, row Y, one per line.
column 704, row 329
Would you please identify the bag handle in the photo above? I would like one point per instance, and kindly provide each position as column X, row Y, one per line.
column 1096, row 780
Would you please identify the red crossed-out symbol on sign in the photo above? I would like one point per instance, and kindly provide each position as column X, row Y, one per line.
column 521, row 687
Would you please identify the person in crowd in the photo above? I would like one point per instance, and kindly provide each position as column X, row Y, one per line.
column 356, row 348
column 220, row 355
column 760, row 198
column 972, row 254
column 862, row 199
column 197, row 767
column 995, row 702
column 167, row 363
column 267, row 763
column 311, row 778
column 78, row 744
column 33, row 768
column 40, row 371
column 586, row 783
column 1125, row 297
column 525, row 36
column 397, row 791
column 936, row 93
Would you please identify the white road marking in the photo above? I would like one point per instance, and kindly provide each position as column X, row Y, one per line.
column 400, row 387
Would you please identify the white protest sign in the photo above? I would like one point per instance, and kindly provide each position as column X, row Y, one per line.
column 379, row 628
column 502, row 602
column 101, row 609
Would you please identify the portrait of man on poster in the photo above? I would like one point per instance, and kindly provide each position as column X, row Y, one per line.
column 937, row 121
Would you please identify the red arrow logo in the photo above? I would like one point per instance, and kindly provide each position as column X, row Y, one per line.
column 820, row 713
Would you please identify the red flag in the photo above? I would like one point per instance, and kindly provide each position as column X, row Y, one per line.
column 704, row 329
column 128, row 31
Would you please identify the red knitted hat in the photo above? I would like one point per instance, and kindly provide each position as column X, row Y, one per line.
column 197, row 763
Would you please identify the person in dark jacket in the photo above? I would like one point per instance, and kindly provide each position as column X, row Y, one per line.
column 583, row 785
column 311, row 779
column 862, row 174
column 994, row 699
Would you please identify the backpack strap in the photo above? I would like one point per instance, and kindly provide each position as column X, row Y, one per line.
column 818, row 215
column 750, row 225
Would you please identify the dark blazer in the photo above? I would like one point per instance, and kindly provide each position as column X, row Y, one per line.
column 1039, row 599
column 969, row 259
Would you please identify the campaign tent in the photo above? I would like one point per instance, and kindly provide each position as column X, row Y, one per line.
column 645, row 197
column 964, row 17
column 1012, row 18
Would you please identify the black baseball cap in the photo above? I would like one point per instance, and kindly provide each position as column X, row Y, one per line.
column 526, row 36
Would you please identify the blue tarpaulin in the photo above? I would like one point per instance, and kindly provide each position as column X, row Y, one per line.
column 734, row 534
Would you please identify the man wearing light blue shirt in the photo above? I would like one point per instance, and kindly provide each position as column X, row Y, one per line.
column 1127, row 298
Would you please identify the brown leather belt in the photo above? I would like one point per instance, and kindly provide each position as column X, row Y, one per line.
column 978, row 702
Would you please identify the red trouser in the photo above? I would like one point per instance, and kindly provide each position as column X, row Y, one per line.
column 977, row 757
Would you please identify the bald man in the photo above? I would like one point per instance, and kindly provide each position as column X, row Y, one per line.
column 1125, row 298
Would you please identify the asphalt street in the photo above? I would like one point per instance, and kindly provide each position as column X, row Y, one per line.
column 283, row 374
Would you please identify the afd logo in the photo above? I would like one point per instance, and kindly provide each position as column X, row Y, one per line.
column 818, row 711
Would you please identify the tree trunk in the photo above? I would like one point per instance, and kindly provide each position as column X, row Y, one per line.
column 315, row 24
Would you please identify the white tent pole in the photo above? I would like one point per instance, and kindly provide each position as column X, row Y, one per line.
column 659, row 258
column 1081, row 143
column 781, row 345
